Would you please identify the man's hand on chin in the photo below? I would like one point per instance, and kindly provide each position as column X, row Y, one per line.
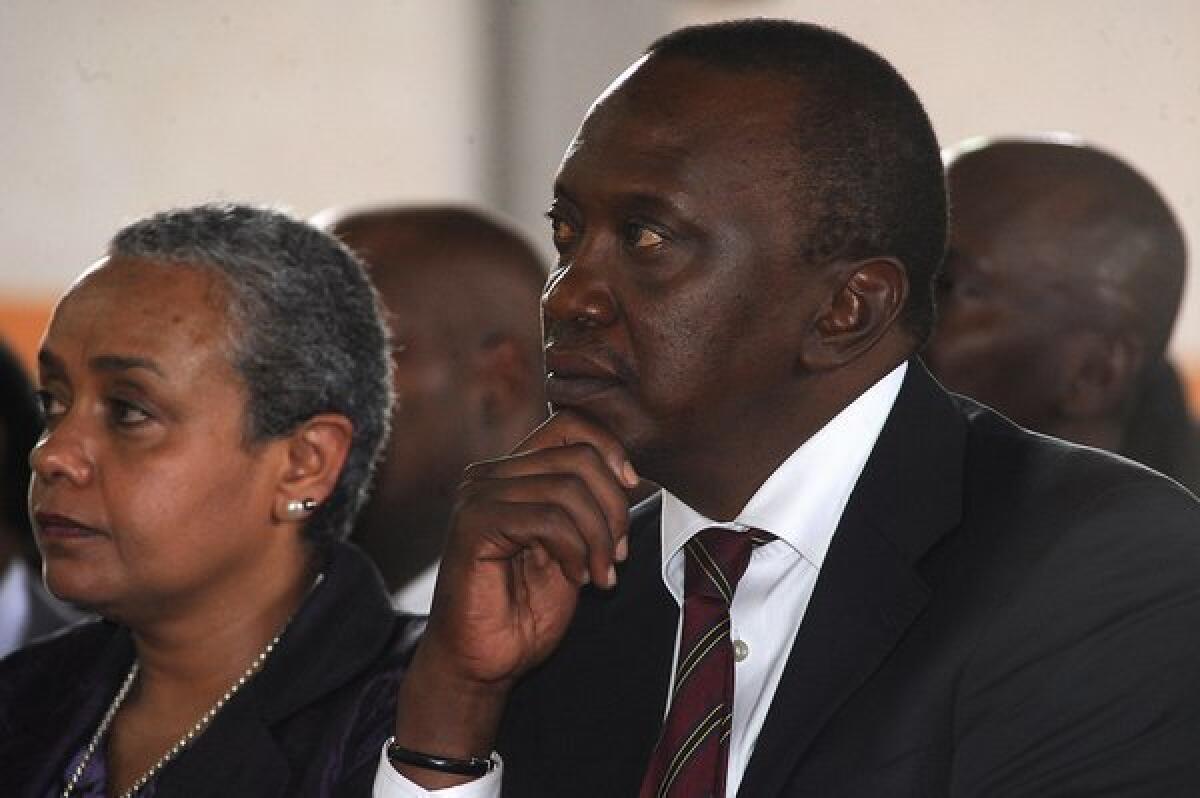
column 528, row 531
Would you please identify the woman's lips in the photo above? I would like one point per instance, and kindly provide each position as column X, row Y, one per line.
column 51, row 526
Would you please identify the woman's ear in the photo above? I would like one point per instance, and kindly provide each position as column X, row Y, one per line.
column 315, row 453
column 867, row 298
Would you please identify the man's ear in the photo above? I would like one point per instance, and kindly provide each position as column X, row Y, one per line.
column 1099, row 374
column 867, row 298
column 314, row 455
column 504, row 381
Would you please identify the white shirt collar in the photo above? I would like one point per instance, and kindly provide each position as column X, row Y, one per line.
column 802, row 501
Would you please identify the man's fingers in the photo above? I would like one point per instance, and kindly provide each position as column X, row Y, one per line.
column 566, row 427
column 545, row 530
column 562, row 492
column 581, row 460
column 556, row 505
column 584, row 469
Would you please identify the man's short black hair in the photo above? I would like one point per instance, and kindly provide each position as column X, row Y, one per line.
column 870, row 178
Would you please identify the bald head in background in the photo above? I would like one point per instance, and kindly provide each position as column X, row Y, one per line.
column 462, row 293
column 1062, row 283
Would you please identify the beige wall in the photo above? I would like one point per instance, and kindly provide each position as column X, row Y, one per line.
column 113, row 109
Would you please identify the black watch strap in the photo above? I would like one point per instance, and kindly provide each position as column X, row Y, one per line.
column 399, row 755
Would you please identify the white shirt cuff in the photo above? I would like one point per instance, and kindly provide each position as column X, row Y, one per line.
column 390, row 784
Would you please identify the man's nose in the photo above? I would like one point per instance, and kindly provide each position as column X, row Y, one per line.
column 580, row 292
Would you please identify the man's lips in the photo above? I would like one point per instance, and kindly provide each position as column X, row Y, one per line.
column 564, row 391
column 572, row 377
column 576, row 365
column 52, row 526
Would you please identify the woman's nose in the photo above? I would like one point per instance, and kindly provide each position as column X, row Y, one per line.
column 62, row 453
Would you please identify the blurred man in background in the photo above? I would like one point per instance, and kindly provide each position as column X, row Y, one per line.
column 1062, row 283
column 461, row 291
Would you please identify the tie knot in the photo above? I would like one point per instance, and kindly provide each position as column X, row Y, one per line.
column 716, row 560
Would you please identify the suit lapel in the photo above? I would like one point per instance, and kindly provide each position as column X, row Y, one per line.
column 645, row 612
column 868, row 592
column 250, row 758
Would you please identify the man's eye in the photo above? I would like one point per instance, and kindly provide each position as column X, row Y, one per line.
column 643, row 237
column 640, row 237
column 562, row 231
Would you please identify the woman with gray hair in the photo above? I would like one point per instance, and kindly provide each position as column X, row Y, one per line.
column 216, row 391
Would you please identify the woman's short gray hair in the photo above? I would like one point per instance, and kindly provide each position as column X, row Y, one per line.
column 307, row 333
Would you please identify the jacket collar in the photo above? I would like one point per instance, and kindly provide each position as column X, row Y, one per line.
column 343, row 627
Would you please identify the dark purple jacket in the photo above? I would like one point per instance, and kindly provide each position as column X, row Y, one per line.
column 311, row 723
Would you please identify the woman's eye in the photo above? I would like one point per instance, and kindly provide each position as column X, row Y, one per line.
column 127, row 414
column 50, row 406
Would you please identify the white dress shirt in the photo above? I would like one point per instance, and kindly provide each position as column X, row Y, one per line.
column 801, row 503
column 15, row 605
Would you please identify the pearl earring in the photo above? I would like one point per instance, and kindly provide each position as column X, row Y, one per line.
column 298, row 509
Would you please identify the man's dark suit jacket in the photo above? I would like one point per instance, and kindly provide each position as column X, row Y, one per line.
column 311, row 723
column 999, row 614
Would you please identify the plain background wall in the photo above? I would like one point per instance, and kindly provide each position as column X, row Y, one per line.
column 116, row 109
column 119, row 108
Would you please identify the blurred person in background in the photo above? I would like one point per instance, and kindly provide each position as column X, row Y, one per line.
column 216, row 391
column 461, row 292
column 27, row 611
column 1062, row 282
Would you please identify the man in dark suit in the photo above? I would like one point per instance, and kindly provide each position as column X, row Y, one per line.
column 885, row 590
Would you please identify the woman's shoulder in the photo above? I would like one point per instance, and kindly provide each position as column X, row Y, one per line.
column 63, row 650
column 38, row 673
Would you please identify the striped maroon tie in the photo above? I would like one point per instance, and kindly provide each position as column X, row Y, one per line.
column 692, row 753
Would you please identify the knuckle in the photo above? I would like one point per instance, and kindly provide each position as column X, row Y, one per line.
column 551, row 516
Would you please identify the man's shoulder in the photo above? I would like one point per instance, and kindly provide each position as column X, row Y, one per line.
column 1014, row 472
column 1045, row 521
column 1068, row 596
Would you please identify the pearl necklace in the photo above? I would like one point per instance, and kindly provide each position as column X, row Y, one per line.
column 183, row 742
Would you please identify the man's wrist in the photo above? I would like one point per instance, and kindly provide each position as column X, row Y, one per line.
column 446, row 718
